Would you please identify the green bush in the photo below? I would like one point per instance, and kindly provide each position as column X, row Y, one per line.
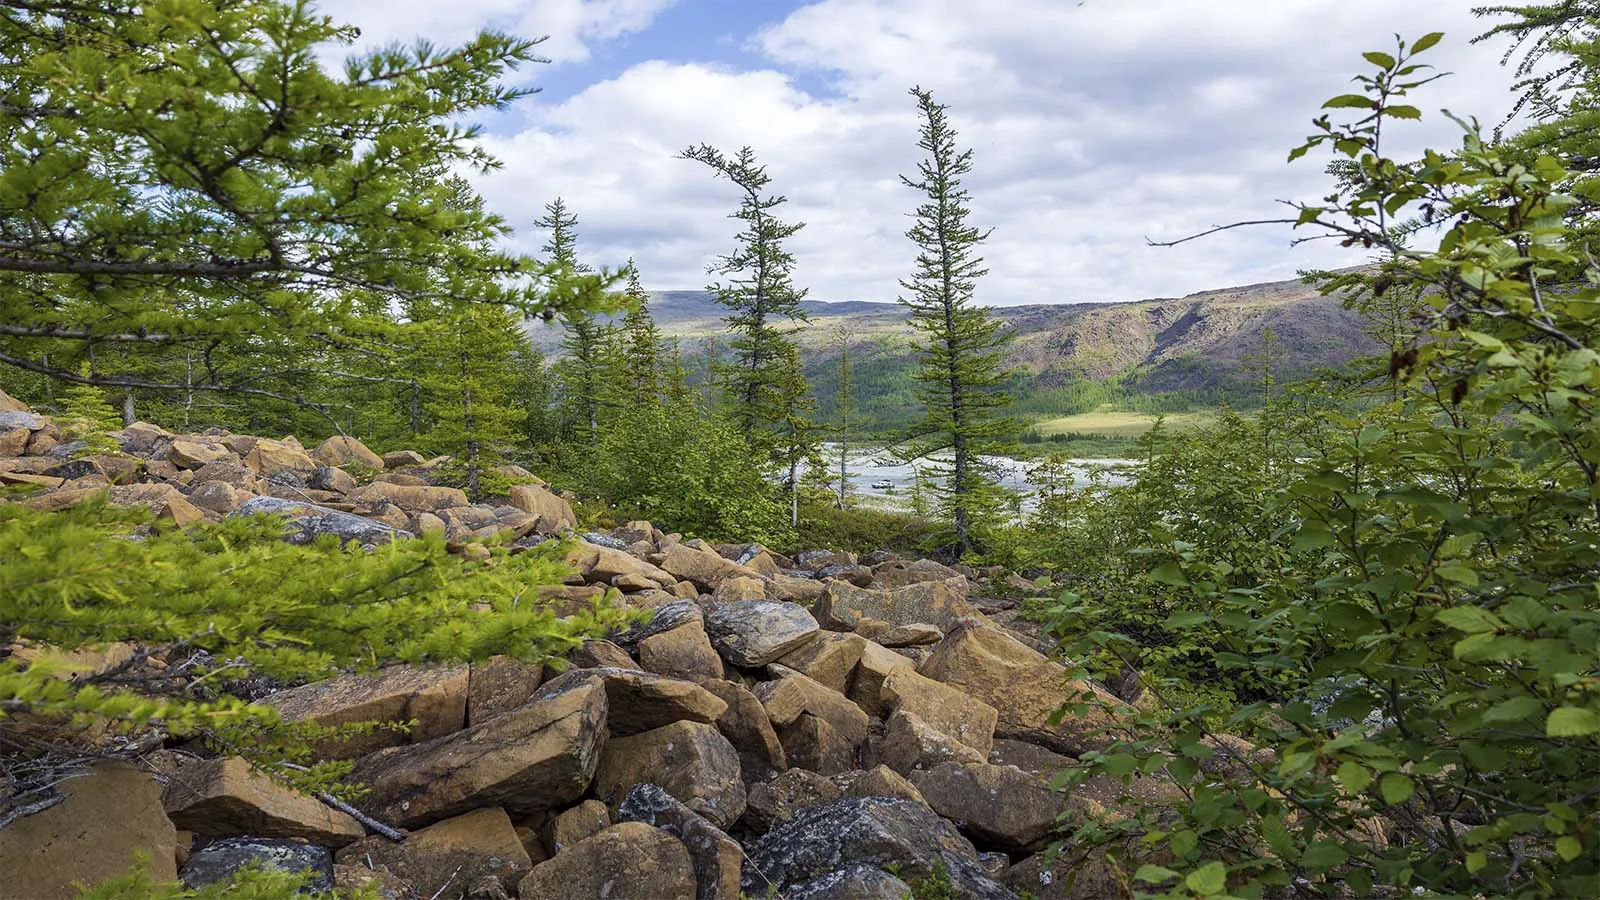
column 863, row 530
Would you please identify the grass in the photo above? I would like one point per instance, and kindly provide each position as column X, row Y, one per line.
column 1117, row 423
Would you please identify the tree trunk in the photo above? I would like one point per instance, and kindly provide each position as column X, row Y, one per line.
column 128, row 417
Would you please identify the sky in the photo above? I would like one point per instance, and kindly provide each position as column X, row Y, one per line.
column 1093, row 125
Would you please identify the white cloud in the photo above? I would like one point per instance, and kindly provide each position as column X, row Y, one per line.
column 572, row 26
column 1094, row 125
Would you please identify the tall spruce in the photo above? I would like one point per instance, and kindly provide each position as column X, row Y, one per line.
column 763, row 304
column 582, row 365
column 958, row 344
column 641, row 344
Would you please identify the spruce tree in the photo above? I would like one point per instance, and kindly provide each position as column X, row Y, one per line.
column 581, row 368
column 641, row 344
column 958, row 344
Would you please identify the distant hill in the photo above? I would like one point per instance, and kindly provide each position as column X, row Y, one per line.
column 1151, row 355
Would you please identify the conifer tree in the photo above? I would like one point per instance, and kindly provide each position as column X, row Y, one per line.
column 958, row 344
column 763, row 303
column 641, row 344
column 581, row 368
column 473, row 416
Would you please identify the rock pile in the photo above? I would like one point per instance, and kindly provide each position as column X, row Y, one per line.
column 823, row 726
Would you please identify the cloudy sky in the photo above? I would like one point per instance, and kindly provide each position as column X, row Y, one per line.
column 1094, row 124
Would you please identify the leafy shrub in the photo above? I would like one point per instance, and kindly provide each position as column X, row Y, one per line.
column 863, row 530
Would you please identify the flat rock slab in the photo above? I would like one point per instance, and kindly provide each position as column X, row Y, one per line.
column 308, row 520
column 628, row 861
column 753, row 633
column 227, row 798
column 434, row 697
column 642, row 701
column 218, row 862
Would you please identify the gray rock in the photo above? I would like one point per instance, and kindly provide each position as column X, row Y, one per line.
column 860, row 576
column 753, row 633
column 219, row 861
column 10, row 419
column 854, row 883
column 718, row 859
column 604, row 540
column 664, row 618
column 873, row 831
column 307, row 520
column 67, row 450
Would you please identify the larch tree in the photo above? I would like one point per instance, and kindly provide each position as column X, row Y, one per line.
column 958, row 344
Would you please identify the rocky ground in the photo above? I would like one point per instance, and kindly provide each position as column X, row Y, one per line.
column 822, row 726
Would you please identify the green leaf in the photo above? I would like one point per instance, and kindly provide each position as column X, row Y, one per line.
column 1350, row 101
column 1154, row 874
column 1402, row 112
column 1354, row 776
column 1470, row 619
column 1168, row 573
column 1514, row 710
column 1324, row 854
column 1458, row 573
column 1426, row 41
column 1571, row 721
column 1396, row 788
column 1208, row 880
column 1476, row 860
column 1569, row 848
column 1381, row 60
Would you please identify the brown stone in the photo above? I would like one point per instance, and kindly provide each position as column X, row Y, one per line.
column 573, row 825
column 787, row 698
column 192, row 454
column 626, row 861
column 882, row 781
column 944, row 708
column 718, row 860
column 412, row 499
column 1025, row 688
column 804, row 591
column 229, row 473
column 342, row 451
column 908, row 743
column 45, row 481
column 602, row 564
column 776, row 800
column 682, row 652
column 866, row 688
column 599, row 654
column 740, row 587
column 268, row 458
column 554, row 512
column 642, row 701
column 427, row 523
column 436, row 698
column 1000, row 807
column 43, row 441
column 692, row 761
column 705, row 569
column 109, row 814
column 63, row 498
column 218, row 798
column 215, row 496
column 14, row 441
column 829, row 659
column 399, row 459
column 453, row 855
column 537, row 757
column 331, row 478
column 902, row 635
column 746, row 726
column 9, row 403
column 811, row 742
column 500, row 684
column 933, row 603
column 898, row 573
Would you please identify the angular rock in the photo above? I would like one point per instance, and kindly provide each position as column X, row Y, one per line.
column 593, row 654
column 932, row 603
column 231, row 474
column 756, row 632
column 866, row 689
column 340, row 450
column 860, row 576
column 692, row 761
column 215, row 496
column 1000, row 807
column 445, row 859
column 739, row 588
column 629, row 860
column 1025, row 688
column 854, row 883
column 110, row 813
column 400, row 459
column 899, row 573
column 804, row 591
column 871, row 831
column 830, row 659
column 217, row 798
column 218, row 862
column 412, row 499
column 191, row 454
column 307, row 520
column 745, row 724
column 788, row 697
column 811, row 742
column 882, row 781
column 776, row 800
column 683, row 652
column 10, row 404
column 330, row 478
column 717, row 859
column 603, row 564
column 554, row 513
column 944, row 708
column 1086, row 874
column 538, row 757
column 573, row 825
column 908, row 743
column 901, row 635
column 500, row 684
column 665, row 617
column 435, row 697
column 1028, row 757
column 641, row 701
column 706, row 570
column 272, row 459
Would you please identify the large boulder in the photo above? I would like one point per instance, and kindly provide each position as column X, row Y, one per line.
column 225, row 797
column 110, row 813
column 874, row 831
column 718, row 860
column 435, row 698
column 692, row 761
column 500, row 684
column 908, row 744
column 273, row 459
column 554, row 513
column 896, row 573
column 747, row 727
column 944, row 708
column 703, row 567
column 192, row 454
column 307, row 521
column 854, row 883
column 340, row 450
column 756, row 632
column 682, row 652
column 219, row 862
column 877, row 663
column 535, row 758
column 626, row 861
column 998, row 807
column 447, row 858
column 829, row 658
column 935, row 603
column 1025, row 688
column 411, row 498
column 793, row 695
column 776, row 800
column 572, row 825
column 642, row 701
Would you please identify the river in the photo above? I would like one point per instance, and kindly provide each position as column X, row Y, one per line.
column 877, row 478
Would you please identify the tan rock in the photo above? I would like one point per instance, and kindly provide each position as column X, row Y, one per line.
column 642, row 701
column 42, row 442
column 63, row 498
column 181, row 512
column 997, row 806
column 944, row 708
column 405, row 478
column 424, row 498
column 109, row 814
column 829, row 659
column 629, row 860
column 704, row 568
column 9, row 403
column 500, row 684
column 866, row 689
column 399, row 459
column 427, row 523
column 882, row 781
column 740, row 587
column 630, row 583
column 692, row 761
column 908, row 744
column 898, row 573
column 45, row 481
column 602, row 564
column 537, row 757
column 745, row 724
column 599, row 654
column 459, row 852
column 82, row 662
column 340, row 450
column 570, row 826
column 193, row 454
column 776, row 800
column 554, row 512
column 332, row 478
column 217, row 798
column 14, row 441
column 167, row 501
column 230, row 473
column 805, row 591
column 682, row 652
column 718, row 860
column 811, row 742
column 1025, row 688
column 935, row 603
column 787, row 698
column 899, row 635
column 215, row 496
column 435, row 697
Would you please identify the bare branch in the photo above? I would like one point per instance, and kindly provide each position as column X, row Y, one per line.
column 1214, row 230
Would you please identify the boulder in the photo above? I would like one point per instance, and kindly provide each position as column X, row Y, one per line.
column 436, row 698
column 340, row 450
column 573, row 825
column 193, row 454
column 740, row 587
column 690, row 760
column 1028, row 757
column 217, row 798
column 500, row 684
column 756, row 632
column 110, row 813
column 231, row 474
column 215, row 496
column 306, row 521
column 876, row 664
column 641, row 701
column 871, row 831
column 882, row 781
column 555, row 513
column 595, row 654
column 829, row 659
column 447, row 858
column 746, row 726
column 704, row 568
column 44, row 481
column 804, row 591
column 1025, row 688
column 899, row 635
column 718, row 860
column 860, row 576
column 537, row 757
column 787, row 698
column 218, row 862
column 776, row 800
column 272, row 459
column 628, row 860
column 10, row 404
column 165, row 500
column 934, row 603
column 683, row 652
column 998, row 807
column 411, row 498
column 330, row 478
column 665, row 617
column 604, row 564
column 811, row 742
column 1094, row 873
column 14, row 441
column 854, row 883
column 400, row 459
column 944, row 708
column 899, row 573
column 908, row 744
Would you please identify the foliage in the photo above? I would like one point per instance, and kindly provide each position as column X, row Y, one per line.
column 1412, row 588
column 958, row 344
column 582, row 367
column 87, row 416
column 641, row 346
column 253, row 882
column 861, row 529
